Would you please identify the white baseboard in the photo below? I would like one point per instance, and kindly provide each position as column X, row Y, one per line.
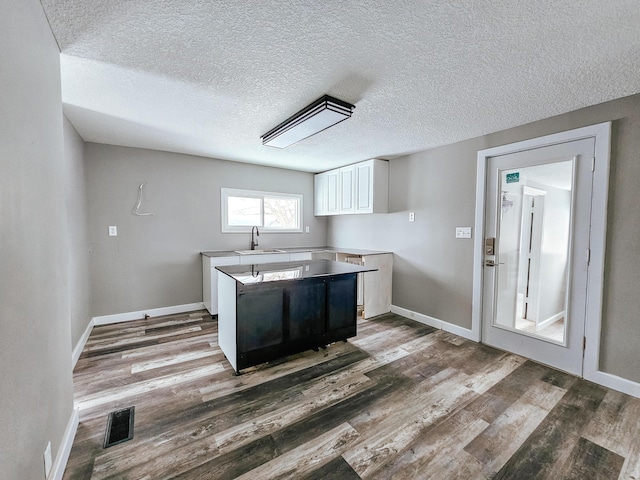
column 614, row 382
column 60, row 462
column 81, row 343
column 550, row 320
column 601, row 378
column 152, row 312
column 436, row 323
column 127, row 317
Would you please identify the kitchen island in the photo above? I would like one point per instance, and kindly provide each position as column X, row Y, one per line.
column 374, row 287
column 268, row 311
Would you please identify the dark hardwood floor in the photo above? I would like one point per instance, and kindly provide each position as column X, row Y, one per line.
column 401, row 401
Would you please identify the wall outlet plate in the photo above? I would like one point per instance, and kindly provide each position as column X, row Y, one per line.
column 463, row 232
column 412, row 216
column 113, row 231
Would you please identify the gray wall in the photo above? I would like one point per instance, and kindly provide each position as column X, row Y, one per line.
column 36, row 392
column 79, row 282
column 154, row 261
column 432, row 270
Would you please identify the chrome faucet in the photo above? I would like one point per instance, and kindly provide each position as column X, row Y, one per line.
column 254, row 242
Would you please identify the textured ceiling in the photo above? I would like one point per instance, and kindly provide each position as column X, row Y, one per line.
column 209, row 77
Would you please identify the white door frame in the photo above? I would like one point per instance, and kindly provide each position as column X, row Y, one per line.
column 602, row 135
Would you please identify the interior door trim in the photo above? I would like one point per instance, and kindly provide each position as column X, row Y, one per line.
column 602, row 135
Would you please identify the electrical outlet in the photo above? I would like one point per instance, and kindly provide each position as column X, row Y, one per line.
column 113, row 231
column 412, row 216
column 47, row 461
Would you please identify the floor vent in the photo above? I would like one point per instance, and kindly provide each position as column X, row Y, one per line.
column 119, row 427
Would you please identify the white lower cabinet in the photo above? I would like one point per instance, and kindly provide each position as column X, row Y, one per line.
column 255, row 258
column 377, row 285
column 374, row 288
column 299, row 256
column 210, row 274
column 210, row 279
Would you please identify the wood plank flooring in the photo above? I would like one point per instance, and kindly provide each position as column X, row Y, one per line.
column 399, row 401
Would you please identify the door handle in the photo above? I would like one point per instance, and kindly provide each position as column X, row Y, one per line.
column 491, row 263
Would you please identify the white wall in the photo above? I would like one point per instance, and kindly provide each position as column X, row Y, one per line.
column 155, row 260
column 36, row 391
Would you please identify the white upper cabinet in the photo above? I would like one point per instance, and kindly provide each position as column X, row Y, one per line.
column 372, row 189
column 347, row 189
column 359, row 188
column 320, row 194
column 326, row 193
column 333, row 192
column 364, row 200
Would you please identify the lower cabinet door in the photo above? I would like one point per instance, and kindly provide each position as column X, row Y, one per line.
column 306, row 317
column 260, row 319
column 341, row 293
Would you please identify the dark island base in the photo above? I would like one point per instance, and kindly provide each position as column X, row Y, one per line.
column 277, row 319
column 274, row 352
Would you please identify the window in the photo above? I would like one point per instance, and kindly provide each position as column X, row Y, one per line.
column 271, row 212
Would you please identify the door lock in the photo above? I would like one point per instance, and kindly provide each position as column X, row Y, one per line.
column 489, row 245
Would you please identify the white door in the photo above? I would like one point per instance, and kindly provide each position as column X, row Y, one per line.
column 537, row 237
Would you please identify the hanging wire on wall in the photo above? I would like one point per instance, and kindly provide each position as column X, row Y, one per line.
column 136, row 209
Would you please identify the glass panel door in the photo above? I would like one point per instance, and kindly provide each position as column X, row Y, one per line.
column 537, row 234
column 534, row 223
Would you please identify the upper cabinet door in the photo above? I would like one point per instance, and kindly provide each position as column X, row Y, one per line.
column 320, row 194
column 347, row 189
column 333, row 192
column 364, row 187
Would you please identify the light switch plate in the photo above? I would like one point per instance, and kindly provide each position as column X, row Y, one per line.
column 463, row 232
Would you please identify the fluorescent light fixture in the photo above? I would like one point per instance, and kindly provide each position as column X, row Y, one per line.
column 320, row 115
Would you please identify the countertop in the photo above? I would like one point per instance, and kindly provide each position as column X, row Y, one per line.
column 348, row 251
column 289, row 271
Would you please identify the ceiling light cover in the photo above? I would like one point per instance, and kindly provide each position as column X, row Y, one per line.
column 320, row 115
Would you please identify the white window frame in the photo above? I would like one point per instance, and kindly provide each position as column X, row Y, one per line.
column 234, row 192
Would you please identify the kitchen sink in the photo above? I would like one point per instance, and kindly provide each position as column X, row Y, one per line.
column 253, row 252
